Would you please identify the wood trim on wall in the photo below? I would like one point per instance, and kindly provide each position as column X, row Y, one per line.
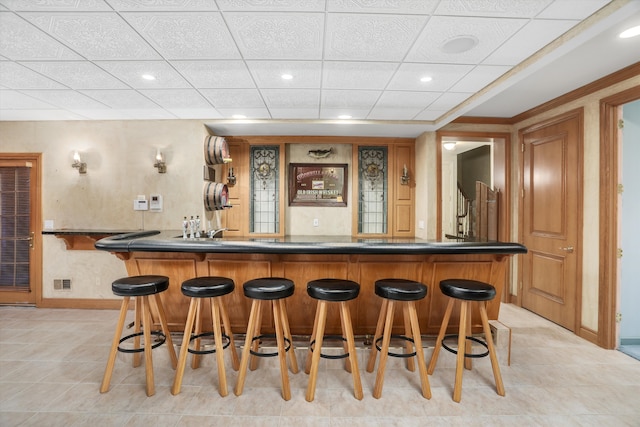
column 609, row 172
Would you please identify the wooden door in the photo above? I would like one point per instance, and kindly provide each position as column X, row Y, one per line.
column 20, row 232
column 552, row 218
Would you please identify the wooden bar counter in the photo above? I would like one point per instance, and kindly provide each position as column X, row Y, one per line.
column 303, row 258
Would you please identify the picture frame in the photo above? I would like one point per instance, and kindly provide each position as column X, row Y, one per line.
column 318, row 184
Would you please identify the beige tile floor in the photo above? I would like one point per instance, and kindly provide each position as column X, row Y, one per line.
column 52, row 361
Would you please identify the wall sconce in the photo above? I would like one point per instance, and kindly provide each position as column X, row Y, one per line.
column 404, row 179
column 231, row 177
column 160, row 164
column 79, row 164
column 449, row 145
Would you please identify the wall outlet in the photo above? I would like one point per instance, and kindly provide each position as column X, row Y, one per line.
column 62, row 284
column 316, row 222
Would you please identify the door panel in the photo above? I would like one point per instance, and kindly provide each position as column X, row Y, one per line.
column 20, row 233
column 551, row 219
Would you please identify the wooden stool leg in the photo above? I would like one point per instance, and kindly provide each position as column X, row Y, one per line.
column 287, row 333
column 148, row 358
column 462, row 338
column 347, row 331
column 321, row 318
column 217, row 336
column 235, row 361
column 384, row 351
column 468, row 344
column 307, row 363
column 184, row 349
column 492, row 350
column 379, row 327
column 256, row 332
column 407, row 332
column 422, row 367
column 195, row 358
column 137, row 324
column 111, row 361
column 282, row 354
column 165, row 329
column 244, row 361
column 443, row 330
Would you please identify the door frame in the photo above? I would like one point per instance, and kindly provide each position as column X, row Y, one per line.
column 608, row 283
column 36, row 219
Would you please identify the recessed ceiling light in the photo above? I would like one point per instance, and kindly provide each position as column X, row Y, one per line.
column 459, row 44
column 630, row 32
column 426, row 79
column 148, row 77
column 286, row 76
column 344, row 117
column 238, row 116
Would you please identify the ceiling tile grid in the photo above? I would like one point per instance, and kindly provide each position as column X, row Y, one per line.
column 219, row 58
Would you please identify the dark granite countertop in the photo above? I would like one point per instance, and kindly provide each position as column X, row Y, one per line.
column 84, row 232
column 172, row 241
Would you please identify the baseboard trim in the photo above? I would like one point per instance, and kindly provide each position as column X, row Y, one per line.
column 95, row 304
column 589, row 335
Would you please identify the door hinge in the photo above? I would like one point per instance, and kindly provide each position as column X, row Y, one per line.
column 618, row 317
column 621, row 124
column 619, row 253
column 620, row 188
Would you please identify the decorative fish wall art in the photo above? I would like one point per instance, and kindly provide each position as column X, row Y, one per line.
column 320, row 154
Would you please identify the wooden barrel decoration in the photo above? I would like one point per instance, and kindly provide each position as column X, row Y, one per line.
column 216, row 150
column 216, row 196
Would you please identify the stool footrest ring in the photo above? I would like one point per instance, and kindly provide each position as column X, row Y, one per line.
column 213, row 350
column 259, row 337
column 312, row 345
column 401, row 337
column 470, row 355
column 160, row 339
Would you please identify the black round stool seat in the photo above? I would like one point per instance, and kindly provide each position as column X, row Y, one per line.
column 470, row 290
column 333, row 289
column 207, row 287
column 268, row 288
column 400, row 289
column 137, row 286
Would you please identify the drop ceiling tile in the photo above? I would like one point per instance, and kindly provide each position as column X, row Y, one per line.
column 20, row 40
column 249, row 113
column 501, row 8
column 270, row 6
column 121, row 99
column 126, row 114
column 350, row 99
column 131, row 73
column 443, row 77
column 528, row 41
column 291, row 98
column 162, row 5
column 15, row 76
column 572, row 9
column 56, row 6
column 383, row 6
column 481, row 76
column 215, row 74
column 268, row 74
column 76, row 74
column 395, row 113
column 39, row 115
column 294, row 113
column 490, row 33
column 233, row 98
column 371, row 37
column 335, row 113
column 65, row 99
column 96, row 35
column 14, row 100
column 176, row 98
column 357, row 75
column 186, row 35
column 429, row 114
column 401, row 99
column 277, row 35
column 448, row 100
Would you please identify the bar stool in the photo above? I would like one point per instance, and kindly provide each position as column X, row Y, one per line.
column 392, row 292
column 467, row 292
column 274, row 289
column 140, row 288
column 213, row 288
column 325, row 291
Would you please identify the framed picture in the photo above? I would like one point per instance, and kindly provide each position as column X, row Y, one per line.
column 318, row 184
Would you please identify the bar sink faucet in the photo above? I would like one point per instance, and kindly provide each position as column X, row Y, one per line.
column 212, row 233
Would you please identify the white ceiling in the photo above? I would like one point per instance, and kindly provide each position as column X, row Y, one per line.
column 83, row 60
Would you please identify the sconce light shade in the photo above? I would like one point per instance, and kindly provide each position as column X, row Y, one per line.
column 404, row 178
column 449, row 145
column 160, row 164
column 79, row 164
